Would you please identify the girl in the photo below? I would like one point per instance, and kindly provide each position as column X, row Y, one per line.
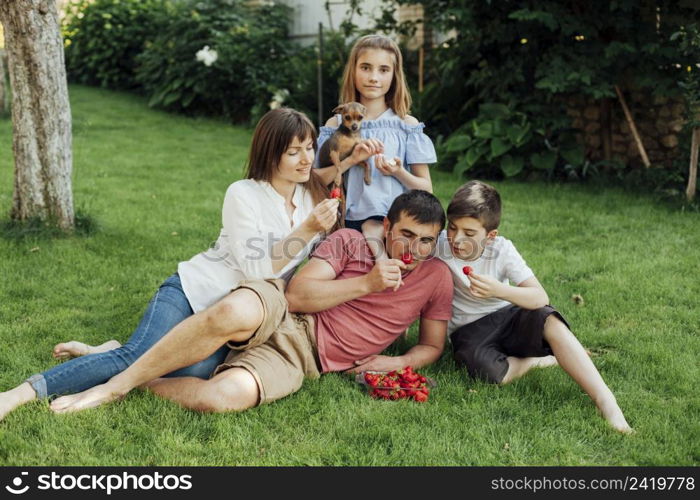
column 394, row 143
column 271, row 219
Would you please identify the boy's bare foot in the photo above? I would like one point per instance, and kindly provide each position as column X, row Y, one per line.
column 74, row 348
column 546, row 361
column 92, row 398
column 613, row 414
column 517, row 367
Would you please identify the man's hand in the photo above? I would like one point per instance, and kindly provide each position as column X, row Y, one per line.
column 485, row 287
column 385, row 274
column 377, row 363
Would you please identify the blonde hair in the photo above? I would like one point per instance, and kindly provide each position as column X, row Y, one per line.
column 398, row 98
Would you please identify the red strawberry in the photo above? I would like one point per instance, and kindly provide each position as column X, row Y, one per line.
column 335, row 193
column 467, row 270
column 407, row 258
column 420, row 397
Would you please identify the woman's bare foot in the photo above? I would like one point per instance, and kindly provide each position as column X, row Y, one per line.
column 74, row 348
column 16, row 397
column 92, row 398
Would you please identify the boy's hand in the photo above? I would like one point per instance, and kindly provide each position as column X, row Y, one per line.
column 485, row 287
column 385, row 274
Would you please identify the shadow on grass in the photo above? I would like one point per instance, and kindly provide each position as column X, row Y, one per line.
column 38, row 229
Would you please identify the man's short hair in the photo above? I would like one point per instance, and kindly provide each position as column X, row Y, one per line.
column 423, row 206
column 478, row 200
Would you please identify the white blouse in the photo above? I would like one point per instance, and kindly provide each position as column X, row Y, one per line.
column 254, row 219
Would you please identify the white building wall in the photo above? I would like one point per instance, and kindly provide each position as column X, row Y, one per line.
column 309, row 13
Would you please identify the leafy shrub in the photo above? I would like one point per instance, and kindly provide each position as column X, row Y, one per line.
column 503, row 142
column 103, row 37
column 250, row 65
column 531, row 56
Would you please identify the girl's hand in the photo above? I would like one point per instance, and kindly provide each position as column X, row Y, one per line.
column 364, row 149
column 485, row 287
column 323, row 217
column 387, row 166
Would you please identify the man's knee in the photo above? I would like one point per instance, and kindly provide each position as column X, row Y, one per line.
column 234, row 389
column 239, row 311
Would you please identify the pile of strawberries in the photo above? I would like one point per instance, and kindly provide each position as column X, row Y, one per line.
column 398, row 384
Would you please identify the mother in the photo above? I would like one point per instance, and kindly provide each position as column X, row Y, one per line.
column 271, row 220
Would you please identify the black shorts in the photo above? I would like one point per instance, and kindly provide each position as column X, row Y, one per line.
column 484, row 345
column 357, row 224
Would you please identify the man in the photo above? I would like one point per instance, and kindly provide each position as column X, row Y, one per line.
column 353, row 308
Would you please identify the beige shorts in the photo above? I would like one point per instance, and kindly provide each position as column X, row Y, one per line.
column 283, row 349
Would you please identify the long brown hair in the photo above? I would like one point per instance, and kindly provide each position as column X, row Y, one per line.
column 398, row 97
column 273, row 135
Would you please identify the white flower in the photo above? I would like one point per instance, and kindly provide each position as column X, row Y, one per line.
column 677, row 66
column 207, row 56
column 278, row 98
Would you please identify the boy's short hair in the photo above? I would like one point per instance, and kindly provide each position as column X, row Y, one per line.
column 478, row 200
column 423, row 206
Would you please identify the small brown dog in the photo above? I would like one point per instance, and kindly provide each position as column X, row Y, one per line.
column 340, row 145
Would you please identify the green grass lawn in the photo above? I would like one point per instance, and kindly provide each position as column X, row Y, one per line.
column 154, row 183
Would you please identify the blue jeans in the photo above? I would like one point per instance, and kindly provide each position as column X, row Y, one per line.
column 168, row 307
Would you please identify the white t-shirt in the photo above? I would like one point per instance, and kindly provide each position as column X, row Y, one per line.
column 254, row 219
column 500, row 260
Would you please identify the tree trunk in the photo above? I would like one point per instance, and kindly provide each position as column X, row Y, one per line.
column 3, row 80
column 40, row 112
column 693, row 171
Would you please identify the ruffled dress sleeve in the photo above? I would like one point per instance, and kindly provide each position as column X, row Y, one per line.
column 419, row 147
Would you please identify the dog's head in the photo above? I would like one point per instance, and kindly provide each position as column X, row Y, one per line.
column 353, row 113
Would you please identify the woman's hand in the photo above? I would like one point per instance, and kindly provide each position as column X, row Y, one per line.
column 323, row 217
column 387, row 166
column 364, row 149
column 485, row 287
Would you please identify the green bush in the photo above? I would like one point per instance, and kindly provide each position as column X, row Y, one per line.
column 103, row 37
column 228, row 58
column 530, row 56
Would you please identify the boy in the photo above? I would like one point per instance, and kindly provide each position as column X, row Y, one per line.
column 500, row 331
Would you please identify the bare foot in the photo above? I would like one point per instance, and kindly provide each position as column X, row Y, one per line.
column 613, row 414
column 92, row 398
column 546, row 361
column 16, row 397
column 74, row 348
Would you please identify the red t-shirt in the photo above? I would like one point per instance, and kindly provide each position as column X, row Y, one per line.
column 367, row 325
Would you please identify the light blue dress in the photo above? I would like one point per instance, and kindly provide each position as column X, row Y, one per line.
column 401, row 140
